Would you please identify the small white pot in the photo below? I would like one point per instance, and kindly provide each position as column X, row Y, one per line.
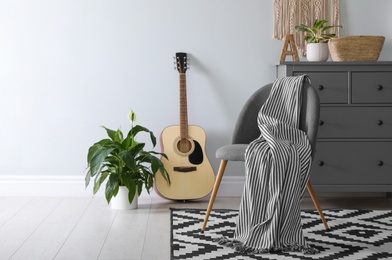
column 121, row 200
column 317, row 51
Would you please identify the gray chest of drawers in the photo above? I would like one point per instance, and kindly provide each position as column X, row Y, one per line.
column 354, row 145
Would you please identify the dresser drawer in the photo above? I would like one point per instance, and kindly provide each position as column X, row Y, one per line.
column 355, row 122
column 352, row 163
column 372, row 87
column 332, row 87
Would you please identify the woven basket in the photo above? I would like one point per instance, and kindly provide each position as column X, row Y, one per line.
column 356, row 48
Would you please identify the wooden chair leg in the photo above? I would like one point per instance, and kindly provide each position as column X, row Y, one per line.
column 218, row 180
column 315, row 202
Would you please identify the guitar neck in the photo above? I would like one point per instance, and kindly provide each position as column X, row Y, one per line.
column 183, row 108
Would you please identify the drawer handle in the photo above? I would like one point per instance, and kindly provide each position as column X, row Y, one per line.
column 379, row 87
column 380, row 122
column 321, row 122
column 320, row 87
column 380, row 163
column 321, row 163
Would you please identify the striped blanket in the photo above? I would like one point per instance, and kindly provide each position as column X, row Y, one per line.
column 277, row 168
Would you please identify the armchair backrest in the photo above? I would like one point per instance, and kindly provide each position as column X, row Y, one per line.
column 247, row 130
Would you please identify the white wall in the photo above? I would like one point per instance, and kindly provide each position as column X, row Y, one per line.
column 68, row 67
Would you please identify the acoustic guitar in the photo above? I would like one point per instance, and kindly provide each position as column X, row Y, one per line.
column 190, row 171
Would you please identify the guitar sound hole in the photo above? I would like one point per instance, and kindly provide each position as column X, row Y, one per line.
column 184, row 145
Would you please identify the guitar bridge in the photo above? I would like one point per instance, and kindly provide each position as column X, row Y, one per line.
column 185, row 169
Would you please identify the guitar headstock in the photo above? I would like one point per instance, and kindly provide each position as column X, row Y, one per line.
column 181, row 61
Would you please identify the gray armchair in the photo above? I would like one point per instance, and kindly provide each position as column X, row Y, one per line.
column 246, row 130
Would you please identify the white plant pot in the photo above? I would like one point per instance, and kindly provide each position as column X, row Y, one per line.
column 317, row 51
column 121, row 200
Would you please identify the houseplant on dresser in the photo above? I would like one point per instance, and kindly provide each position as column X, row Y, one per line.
column 317, row 39
column 126, row 167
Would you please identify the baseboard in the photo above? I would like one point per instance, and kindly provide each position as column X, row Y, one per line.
column 21, row 185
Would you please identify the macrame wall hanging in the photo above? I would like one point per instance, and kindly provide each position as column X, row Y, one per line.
column 289, row 13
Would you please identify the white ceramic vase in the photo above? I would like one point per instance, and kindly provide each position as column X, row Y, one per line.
column 317, row 51
column 121, row 200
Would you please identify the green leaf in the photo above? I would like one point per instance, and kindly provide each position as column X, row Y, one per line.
column 98, row 181
column 303, row 28
column 164, row 156
column 329, row 36
column 165, row 175
column 329, row 27
column 131, row 186
column 96, row 187
column 318, row 24
column 87, row 179
column 159, row 154
column 136, row 148
column 153, row 139
column 108, row 192
column 118, row 137
column 137, row 129
column 91, row 152
column 126, row 142
column 111, row 133
column 97, row 159
column 111, row 187
column 128, row 158
column 155, row 163
column 149, row 183
column 127, row 181
column 104, row 143
column 140, row 188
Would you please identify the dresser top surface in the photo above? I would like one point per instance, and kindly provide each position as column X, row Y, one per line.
column 332, row 63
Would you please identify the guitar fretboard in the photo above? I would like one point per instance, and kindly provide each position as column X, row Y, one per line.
column 183, row 108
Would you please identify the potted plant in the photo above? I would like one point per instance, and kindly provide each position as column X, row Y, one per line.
column 317, row 39
column 124, row 164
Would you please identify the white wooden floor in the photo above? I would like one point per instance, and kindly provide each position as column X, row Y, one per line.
column 86, row 228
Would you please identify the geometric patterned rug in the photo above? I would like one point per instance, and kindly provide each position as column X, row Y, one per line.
column 353, row 234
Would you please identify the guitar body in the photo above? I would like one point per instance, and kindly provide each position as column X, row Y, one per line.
column 191, row 174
